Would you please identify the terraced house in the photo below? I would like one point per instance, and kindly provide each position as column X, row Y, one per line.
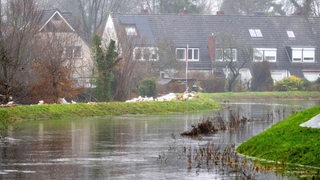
column 291, row 44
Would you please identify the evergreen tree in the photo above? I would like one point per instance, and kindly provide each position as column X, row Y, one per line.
column 148, row 88
column 261, row 77
column 106, row 61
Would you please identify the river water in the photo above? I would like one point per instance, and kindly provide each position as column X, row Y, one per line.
column 130, row 146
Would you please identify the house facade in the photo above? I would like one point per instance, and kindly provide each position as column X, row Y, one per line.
column 291, row 44
column 76, row 49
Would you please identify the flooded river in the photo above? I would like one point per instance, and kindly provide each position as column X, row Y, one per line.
column 127, row 147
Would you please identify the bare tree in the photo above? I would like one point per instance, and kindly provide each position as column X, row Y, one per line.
column 167, row 62
column 233, row 66
column 248, row 7
column 52, row 69
column 93, row 14
column 124, row 70
column 305, row 8
column 18, row 26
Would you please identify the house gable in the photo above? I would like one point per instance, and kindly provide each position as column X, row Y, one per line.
column 76, row 49
column 56, row 23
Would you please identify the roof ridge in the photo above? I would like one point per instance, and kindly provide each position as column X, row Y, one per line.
column 215, row 15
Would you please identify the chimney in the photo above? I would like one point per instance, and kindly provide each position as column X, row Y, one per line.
column 144, row 11
column 183, row 11
column 212, row 47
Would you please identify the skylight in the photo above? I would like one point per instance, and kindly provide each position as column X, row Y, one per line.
column 291, row 34
column 255, row 33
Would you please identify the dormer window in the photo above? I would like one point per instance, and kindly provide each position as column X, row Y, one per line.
column 131, row 31
column 300, row 55
column 291, row 35
column 193, row 54
column 264, row 54
column 255, row 33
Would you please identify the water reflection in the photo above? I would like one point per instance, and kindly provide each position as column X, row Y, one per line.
column 124, row 147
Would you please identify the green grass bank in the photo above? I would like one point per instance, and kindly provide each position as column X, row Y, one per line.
column 234, row 96
column 14, row 114
column 287, row 142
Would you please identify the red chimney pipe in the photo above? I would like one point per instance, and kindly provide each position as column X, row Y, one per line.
column 212, row 47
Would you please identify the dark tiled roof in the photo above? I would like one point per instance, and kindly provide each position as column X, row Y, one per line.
column 195, row 29
column 46, row 15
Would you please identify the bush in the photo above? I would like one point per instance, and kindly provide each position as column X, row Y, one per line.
column 148, row 88
column 313, row 86
column 261, row 77
column 291, row 83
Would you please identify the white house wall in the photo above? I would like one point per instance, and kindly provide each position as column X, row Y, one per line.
column 278, row 75
column 84, row 67
column 311, row 76
column 109, row 32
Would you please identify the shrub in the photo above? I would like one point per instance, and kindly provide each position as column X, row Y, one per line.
column 148, row 88
column 291, row 83
column 313, row 86
column 261, row 77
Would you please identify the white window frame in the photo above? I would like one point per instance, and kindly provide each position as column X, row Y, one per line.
column 265, row 53
column 193, row 54
column 303, row 55
column 183, row 53
column 224, row 52
column 153, row 52
column 255, row 33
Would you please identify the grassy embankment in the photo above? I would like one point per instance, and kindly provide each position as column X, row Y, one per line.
column 287, row 142
column 11, row 115
column 235, row 96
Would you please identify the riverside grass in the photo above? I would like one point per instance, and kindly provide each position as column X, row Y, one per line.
column 10, row 115
column 287, row 141
column 235, row 96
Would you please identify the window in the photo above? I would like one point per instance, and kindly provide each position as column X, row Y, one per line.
column 291, row 34
column 255, row 33
column 131, row 31
column 226, row 54
column 73, row 52
column 145, row 54
column 303, row 54
column 265, row 54
column 138, row 54
column 193, row 54
column 181, row 54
